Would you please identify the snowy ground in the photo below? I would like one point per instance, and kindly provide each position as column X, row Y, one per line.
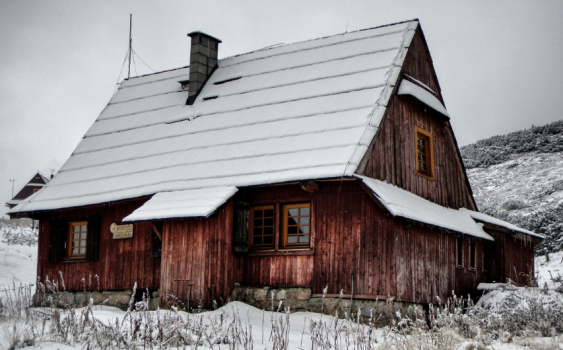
column 18, row 262
column 550, row 272
column 256, row 329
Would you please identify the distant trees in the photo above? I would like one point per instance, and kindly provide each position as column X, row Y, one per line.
column 528, row 210
column 498, row 149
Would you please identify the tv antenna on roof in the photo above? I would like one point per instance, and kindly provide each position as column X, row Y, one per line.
column 12, row 181
column 130, row 44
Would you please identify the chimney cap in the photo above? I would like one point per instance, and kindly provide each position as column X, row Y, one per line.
column 197, row 32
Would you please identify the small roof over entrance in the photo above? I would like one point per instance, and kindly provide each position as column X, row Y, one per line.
column 198, row 203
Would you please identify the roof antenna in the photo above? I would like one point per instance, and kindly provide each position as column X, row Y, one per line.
column 130, row 44
column 346, row 26
column 12, row 181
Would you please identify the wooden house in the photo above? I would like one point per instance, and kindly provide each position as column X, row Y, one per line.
column 328, row 162
column 35, row 184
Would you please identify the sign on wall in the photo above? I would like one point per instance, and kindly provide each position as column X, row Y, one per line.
column 121, row 231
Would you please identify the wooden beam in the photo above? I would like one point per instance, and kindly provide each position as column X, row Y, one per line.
column 159, row 235
column 309, row 186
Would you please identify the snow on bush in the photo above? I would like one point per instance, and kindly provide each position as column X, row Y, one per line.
column 18, row 231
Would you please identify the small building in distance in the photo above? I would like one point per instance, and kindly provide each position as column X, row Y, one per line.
column 35, row 184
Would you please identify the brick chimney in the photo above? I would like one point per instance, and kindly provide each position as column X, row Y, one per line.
column 203, row 61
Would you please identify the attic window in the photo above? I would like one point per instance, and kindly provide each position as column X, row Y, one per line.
column 226, row 81
column 424, row 153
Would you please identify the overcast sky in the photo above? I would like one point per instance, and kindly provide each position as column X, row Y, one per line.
column 499, row 63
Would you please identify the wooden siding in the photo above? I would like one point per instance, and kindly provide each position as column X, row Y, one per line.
column 121, row 262
column 391, row 156
column 513, row 256
column 353, row 235
column 200, row 250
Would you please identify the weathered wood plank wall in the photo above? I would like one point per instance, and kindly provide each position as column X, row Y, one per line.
column 200, row 250
column 391, row 156
column 513, row 257
column 121, row 262
column 352, row 234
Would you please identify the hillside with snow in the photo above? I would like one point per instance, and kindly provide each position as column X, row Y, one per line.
column 518, row 177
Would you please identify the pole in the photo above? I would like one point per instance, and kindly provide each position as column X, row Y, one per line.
column 130, row 44
column 13, row 181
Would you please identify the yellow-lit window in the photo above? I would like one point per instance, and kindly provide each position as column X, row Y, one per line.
column 76, row 247
column 296, row 225
column 35, row 189
column 424, row 152
column 262, row 229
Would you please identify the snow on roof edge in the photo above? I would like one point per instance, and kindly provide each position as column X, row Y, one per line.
column 322, row 37
column 405, row 204
column 198, row 203
column 498, row 222
column 421, row 94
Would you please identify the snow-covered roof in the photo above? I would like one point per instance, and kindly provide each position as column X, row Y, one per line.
column 183, row 204
column 44, row 177
column 406, row 204
column 14, row 201
column 409, row 88
column 307, row 110
column 491, row 220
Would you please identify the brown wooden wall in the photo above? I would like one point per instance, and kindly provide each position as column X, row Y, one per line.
column 121, row 262
column 200, row 250
column 352, row 234
column 514, row 256
column 391, row 156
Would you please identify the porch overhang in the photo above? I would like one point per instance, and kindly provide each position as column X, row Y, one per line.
column 402, row 203
column 196, row 203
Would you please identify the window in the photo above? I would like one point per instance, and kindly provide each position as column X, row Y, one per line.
column 488, row 251
column 424, row 153
column 472, row 254
column 35, row 189
column 459, row 252
column 296, row 224
column 262, row 227
column 279, row 226
column 74, row 240
column 77, row 235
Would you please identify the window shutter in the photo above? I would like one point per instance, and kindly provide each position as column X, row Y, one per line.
column 241, row 227
column 93, row 237
column 57, row 239
column 156, row 243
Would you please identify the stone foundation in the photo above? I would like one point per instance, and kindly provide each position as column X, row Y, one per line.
column 301, row 299
column 119, row 299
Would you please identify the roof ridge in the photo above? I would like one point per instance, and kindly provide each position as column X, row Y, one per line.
column 275, row 46
column 155, row 73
